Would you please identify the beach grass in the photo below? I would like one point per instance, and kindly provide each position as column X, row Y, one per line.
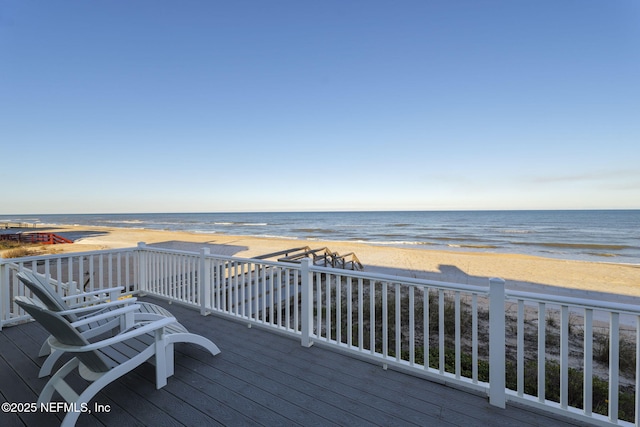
column 11, row 249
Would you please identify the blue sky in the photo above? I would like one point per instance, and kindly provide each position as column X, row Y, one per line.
column 196, row 106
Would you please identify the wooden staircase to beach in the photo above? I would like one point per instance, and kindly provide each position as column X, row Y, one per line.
column 321, row 256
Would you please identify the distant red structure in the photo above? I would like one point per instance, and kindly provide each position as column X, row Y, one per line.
column 42, row 238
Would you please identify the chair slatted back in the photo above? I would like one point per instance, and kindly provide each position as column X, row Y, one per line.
column 45, row 293
column 62, row 330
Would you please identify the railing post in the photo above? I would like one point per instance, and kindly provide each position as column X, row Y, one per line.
column 306, row 311
column 497, row 393
column 4, row 291
column 142, row 267
column 204, row 281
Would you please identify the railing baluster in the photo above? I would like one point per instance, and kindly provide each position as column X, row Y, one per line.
column 92, row 287
column 101, row 271
column 318, row 285
column 412, row 327
column 542, row 322
column 497, row 360
column 372, row 315
column 179, row 278
column 441, row 331
column 80, row 281
column 70, row 274
column 230, row 286
column 249, row 291
column 287, row 291
column 474, row 337
column 110, row 272
column 244, row 271
column 186, row 279
column 520, row 349
column 564, row 356
column 272, row 315
column 398, row 323
column 296, row 298
column 327, row 303
column 119, row 269
column 306, row 310
column 349, row 311
column 614, row 363
column 236, row 286
column 385, row 321
column 279, row 293
column 264, row 292
column 360, row 315
column 59, row 271
column 338, row 309
column 127, row 271
column 588, row 362
column 255, row 292
column 425, row 321
column 457, row 335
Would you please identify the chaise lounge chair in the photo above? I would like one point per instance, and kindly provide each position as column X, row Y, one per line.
column 126, row 351
column 88, row 310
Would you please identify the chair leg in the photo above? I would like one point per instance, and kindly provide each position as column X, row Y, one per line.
column 160, row 349
column 49, row 362
column 102, row 381
column 57, row 383
column 170, row 359
column 45, row 349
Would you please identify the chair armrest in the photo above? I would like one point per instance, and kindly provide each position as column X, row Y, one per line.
column 149, row 327
column 107, row 315
column 93, row 302
column 98, row 308
column 118, row 289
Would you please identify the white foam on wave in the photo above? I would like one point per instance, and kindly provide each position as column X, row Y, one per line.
column 123, row 221
column 399, row 243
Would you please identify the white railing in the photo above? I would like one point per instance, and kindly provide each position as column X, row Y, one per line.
column 70, row 274
column 574, row 357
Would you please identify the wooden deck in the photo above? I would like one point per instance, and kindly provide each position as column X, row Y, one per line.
column 260, row 378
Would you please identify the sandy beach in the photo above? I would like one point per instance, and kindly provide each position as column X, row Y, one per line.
column 576, row 278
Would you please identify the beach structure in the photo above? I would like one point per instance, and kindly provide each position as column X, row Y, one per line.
column 342, row 346
column 17, row 224
column 320, row 256
column 36, row 238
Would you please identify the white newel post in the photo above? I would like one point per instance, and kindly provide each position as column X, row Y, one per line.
column 497, row 394
column 204, row 281
column 307, row 302
column 143, row 268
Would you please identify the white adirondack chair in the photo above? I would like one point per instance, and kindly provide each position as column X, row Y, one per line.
column 94, row 304
column 152, row 340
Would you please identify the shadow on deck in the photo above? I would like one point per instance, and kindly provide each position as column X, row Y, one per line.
column 260, row 378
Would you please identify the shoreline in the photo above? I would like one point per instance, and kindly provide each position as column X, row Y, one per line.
column 619, row 282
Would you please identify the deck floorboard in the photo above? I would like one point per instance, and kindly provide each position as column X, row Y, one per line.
column 259, row 378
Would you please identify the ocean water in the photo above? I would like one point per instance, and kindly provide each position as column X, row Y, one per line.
column 592, row 235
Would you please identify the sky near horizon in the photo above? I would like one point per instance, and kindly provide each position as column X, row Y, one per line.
column 219, row 106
